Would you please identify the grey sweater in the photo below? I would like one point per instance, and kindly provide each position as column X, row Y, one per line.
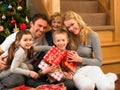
column 91, row 53
column 21, row 56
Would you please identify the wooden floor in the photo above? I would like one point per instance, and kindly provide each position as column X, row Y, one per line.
column 117, row 85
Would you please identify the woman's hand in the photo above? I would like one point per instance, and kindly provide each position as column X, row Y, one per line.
column 33, row 74
column 68, row 75
column 73, row 55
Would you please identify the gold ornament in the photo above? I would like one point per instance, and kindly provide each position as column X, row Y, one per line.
column 16, row 29
column 19, row 8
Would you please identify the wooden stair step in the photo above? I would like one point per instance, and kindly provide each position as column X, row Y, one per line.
column 94, row 19
column 79, row 6
column 104, row 28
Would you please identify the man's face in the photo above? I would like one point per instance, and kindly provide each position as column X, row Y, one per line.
column 38, row 28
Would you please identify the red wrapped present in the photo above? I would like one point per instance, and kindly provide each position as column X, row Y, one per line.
column 22, row 87
column 67, row 64
column 56, row 75
column 54, row 56
column 42, row 65
column 60, row 86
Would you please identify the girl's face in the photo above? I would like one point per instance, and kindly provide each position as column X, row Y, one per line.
column 56, row 23
column 26, row 41
column 72, row 26
column 61, row 41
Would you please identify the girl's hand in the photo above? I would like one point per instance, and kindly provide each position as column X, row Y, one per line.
column 73, row 55
column 33, row 74
column 50, row 69
column 68, row 75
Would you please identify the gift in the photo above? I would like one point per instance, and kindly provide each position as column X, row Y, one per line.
column 54, row 56
column 22, row 87
column 56, row 75
column 42, row 65
column 67, row 64
column 60, row 86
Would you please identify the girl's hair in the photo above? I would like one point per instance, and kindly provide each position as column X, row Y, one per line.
column 60, row 31
column 65, row 32
column 14, row 46
column 56, row 14
column 84, row 29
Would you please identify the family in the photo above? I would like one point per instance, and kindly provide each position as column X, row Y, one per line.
column 22, row 51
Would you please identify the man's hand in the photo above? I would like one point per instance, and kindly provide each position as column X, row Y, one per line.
column 3, row 65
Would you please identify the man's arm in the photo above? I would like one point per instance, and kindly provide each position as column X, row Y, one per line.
column 3, row 65
column 1, row 51
column 7, row 42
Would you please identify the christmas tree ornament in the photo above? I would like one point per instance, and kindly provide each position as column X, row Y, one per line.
column 19, row 8
column 26, row 19
column 19, row 0
column 5, row 6
column 3, row 17
column 7, row 31
column 16, row 28
column 13, row 11
column 22, row 26
column 13, row 21
column 10, row 6
column 1, row 2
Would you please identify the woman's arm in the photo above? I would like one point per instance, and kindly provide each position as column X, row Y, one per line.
column 96, row 50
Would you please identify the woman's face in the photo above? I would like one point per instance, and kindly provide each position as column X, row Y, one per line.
column 72, row 26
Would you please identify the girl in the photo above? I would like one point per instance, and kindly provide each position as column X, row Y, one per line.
column 20, row 50
column 87, row 53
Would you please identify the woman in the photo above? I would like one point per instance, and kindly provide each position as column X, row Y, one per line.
column 87, row 52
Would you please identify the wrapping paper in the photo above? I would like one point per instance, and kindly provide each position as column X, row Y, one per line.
column 56, row 75
column 60, row 86
column 67, row 64
column 54, row 56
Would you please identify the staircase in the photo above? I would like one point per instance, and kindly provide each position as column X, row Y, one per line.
column 100, row 22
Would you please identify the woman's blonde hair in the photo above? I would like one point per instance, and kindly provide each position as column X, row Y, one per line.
column 84, row 29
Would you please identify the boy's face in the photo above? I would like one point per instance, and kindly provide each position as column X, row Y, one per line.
column 56, row 24
column 61, row 41
column 26, row 41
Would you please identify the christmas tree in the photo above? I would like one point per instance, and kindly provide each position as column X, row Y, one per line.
column 14, row 16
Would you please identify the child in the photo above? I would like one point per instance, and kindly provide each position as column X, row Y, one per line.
column 61, row 41
column 20, row 50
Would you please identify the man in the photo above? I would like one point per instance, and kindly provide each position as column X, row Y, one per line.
column 39, row 23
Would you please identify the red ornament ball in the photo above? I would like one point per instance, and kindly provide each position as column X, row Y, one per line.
column 19, row 0
column 22, row 26
column 13, row 21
